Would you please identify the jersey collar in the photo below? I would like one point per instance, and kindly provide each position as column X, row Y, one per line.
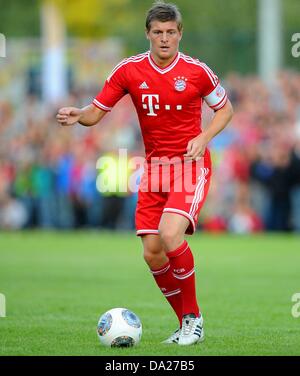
column 167, row 68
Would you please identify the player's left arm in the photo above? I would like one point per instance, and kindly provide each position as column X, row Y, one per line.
column 215, row 96
column 196, row 147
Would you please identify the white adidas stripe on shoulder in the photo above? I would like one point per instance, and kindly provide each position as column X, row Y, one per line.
column 132, row 59
column 197, row 62
column 101, row 106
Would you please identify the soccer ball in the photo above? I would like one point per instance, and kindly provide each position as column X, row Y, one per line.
column 119, row 327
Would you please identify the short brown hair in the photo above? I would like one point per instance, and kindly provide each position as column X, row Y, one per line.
column 163, row 12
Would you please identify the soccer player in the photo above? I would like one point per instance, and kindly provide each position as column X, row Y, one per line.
column 167, row 89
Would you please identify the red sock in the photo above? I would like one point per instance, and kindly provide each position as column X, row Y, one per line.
column 169, row 286
column 182, row 264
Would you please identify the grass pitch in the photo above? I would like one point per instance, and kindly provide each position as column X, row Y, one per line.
column 58, row 284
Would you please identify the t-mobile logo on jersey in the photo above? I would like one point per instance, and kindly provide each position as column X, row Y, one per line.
column 151, row 103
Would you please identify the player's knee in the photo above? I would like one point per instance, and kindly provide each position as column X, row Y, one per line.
column 152, row 255
column 171, row 237
column 149, row 259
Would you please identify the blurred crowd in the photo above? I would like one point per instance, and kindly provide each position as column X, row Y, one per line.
column 48, row 174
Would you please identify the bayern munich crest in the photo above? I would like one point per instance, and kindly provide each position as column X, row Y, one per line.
column 220, row 92
column 180, row 83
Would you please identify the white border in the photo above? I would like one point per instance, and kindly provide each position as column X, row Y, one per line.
column 166, row 70
column 185, row 214
column 147, row 231
column 101, row 106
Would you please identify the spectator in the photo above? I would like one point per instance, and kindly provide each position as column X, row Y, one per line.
column 52, row 172
column 13, row 215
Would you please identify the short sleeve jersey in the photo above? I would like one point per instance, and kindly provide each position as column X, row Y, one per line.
column 168, row 101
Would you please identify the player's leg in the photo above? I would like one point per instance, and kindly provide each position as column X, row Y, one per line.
column 180, row 216
column 154, row 252
column 148, row 213
column 172, row 229
column 159, row 265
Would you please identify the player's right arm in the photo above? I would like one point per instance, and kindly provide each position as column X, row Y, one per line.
column 114, row 89
column 87, row 116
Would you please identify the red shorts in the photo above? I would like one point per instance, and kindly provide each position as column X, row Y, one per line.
column 179, row 188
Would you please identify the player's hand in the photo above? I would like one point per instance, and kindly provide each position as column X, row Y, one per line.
column 196, row 148
column 68, row 115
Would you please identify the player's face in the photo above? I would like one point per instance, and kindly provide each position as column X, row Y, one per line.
column 164, row 40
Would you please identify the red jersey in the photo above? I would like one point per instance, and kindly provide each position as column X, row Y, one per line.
column 168, row 100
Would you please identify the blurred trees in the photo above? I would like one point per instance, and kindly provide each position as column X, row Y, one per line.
column 222, row 33
column 19, row 18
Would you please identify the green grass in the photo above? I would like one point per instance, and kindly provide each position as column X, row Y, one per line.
column 57, row 285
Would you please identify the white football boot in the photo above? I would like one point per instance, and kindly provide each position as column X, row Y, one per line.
column 174, row 338
column 192, row 330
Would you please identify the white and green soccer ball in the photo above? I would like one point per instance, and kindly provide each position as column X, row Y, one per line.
column 119, row 327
